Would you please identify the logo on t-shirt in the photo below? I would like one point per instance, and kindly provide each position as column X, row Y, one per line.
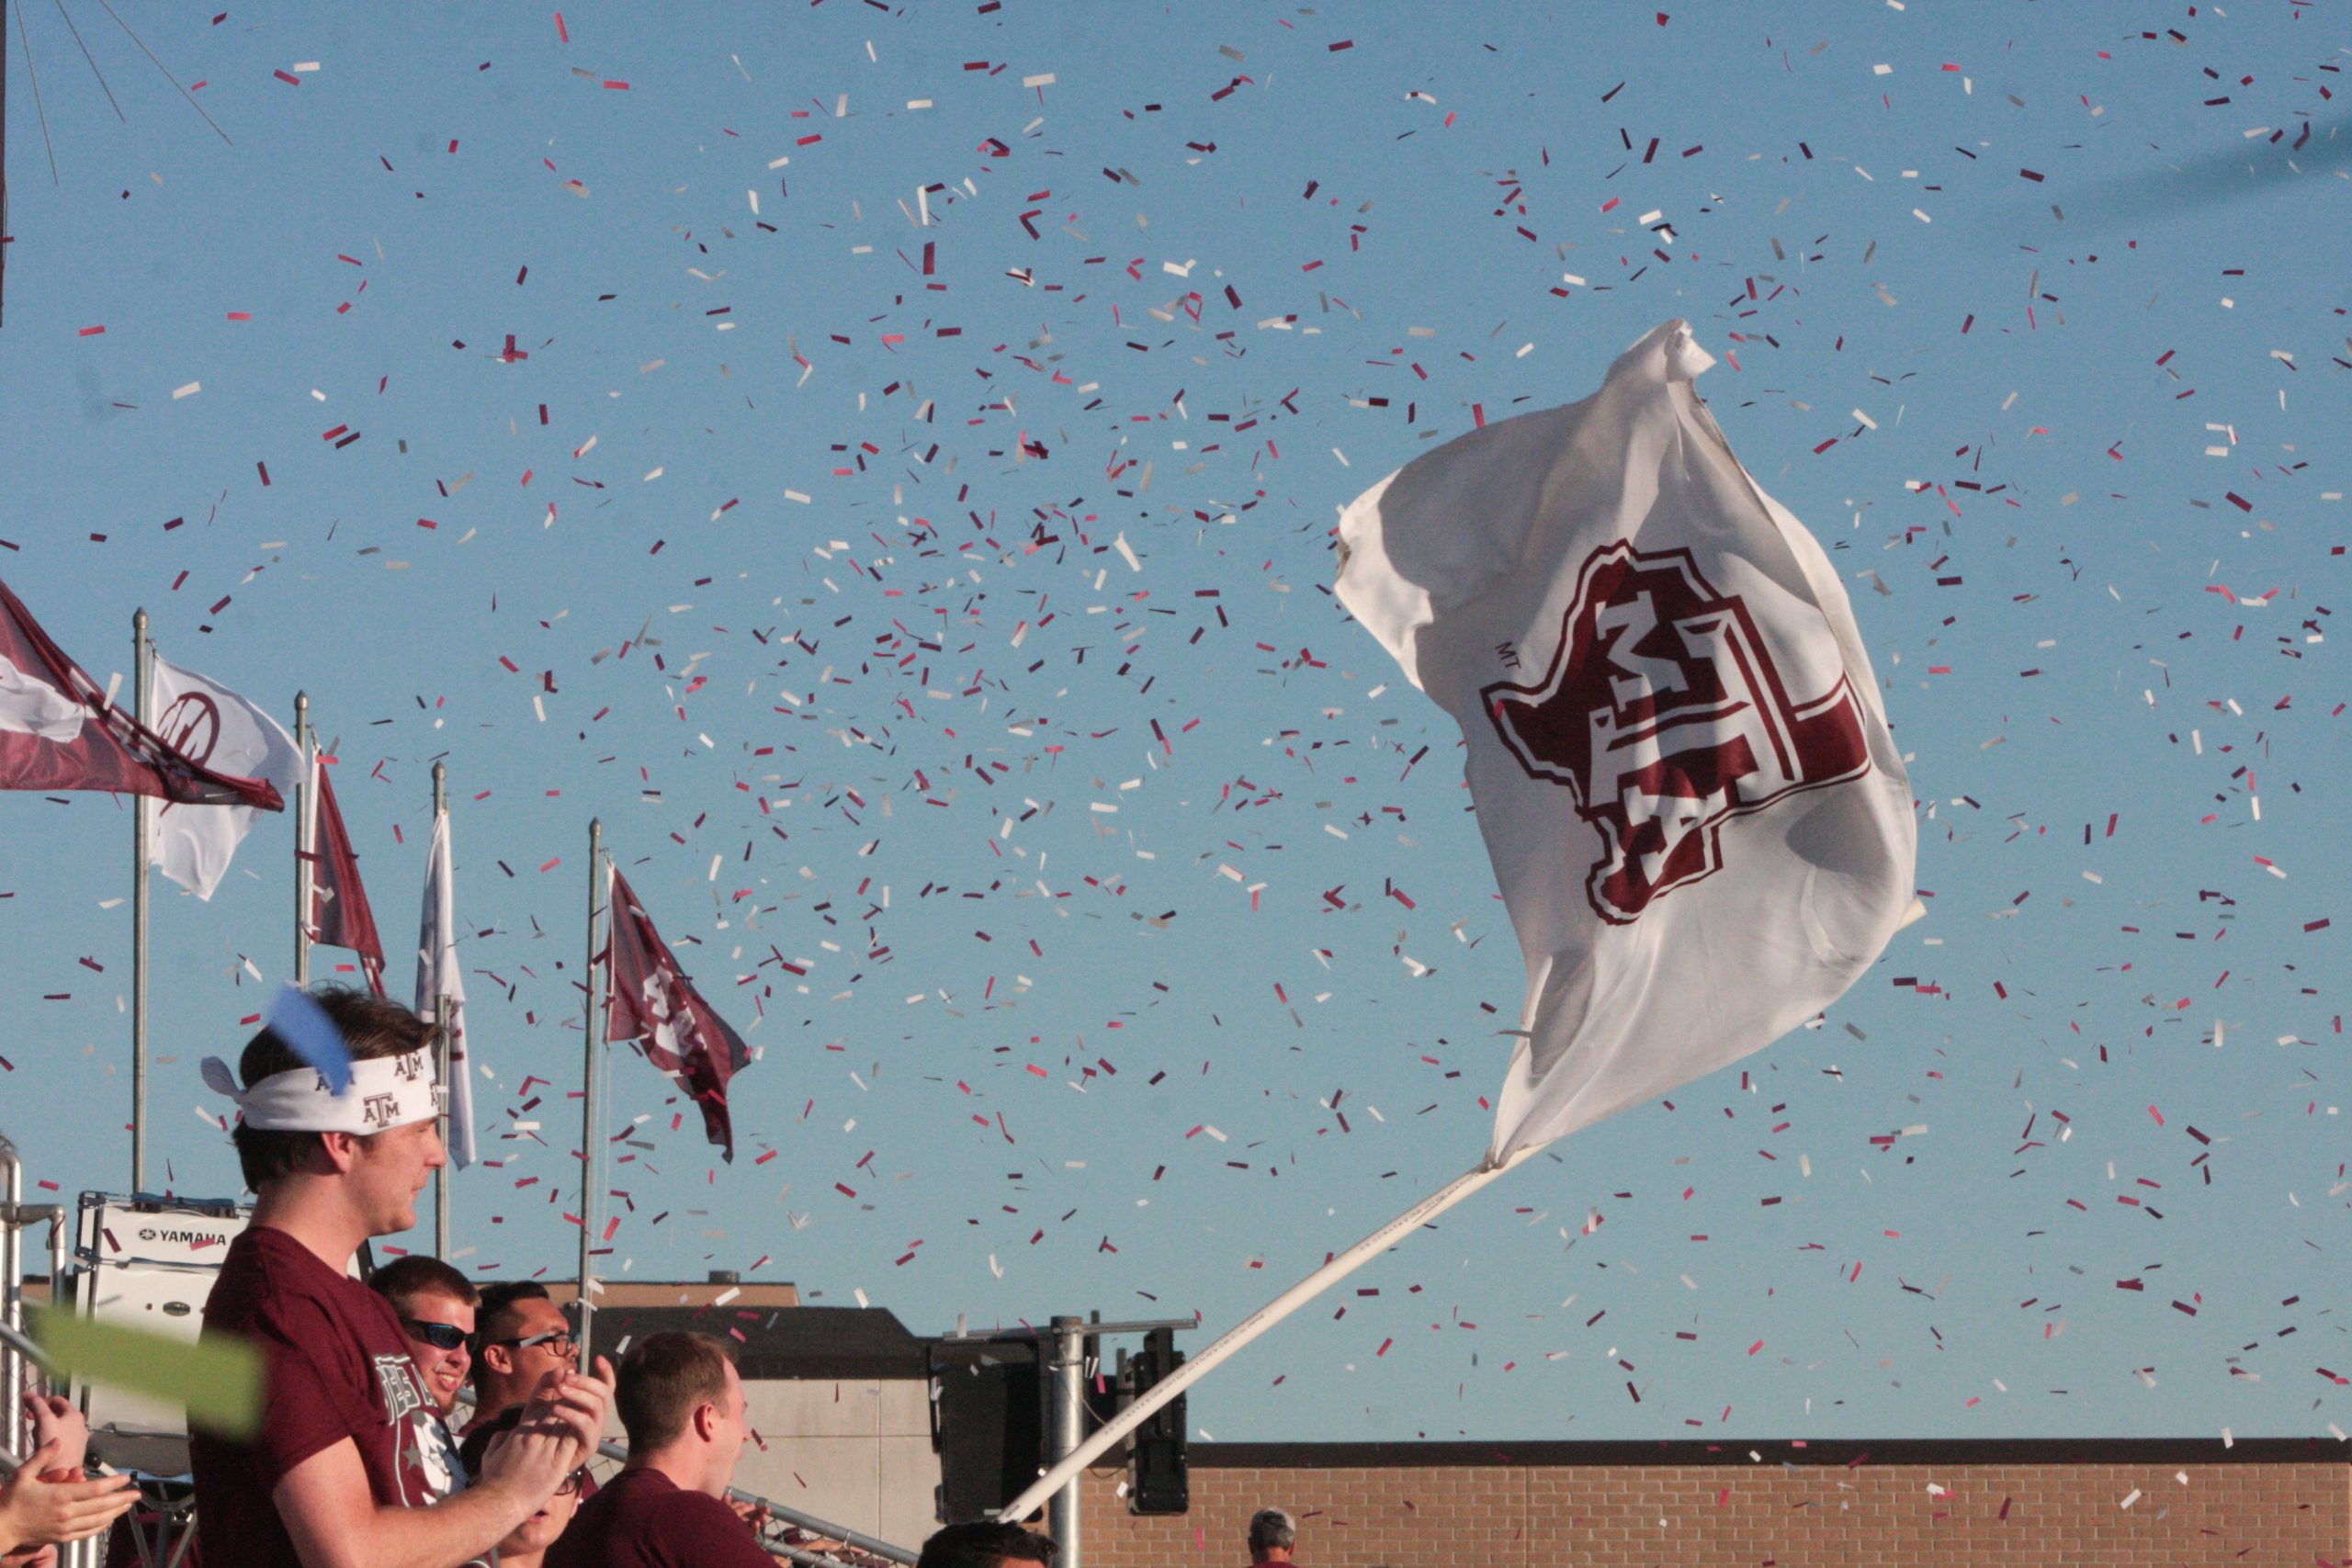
column 426, row 1459
column 398, row 1383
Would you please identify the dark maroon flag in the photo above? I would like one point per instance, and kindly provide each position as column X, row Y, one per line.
column 339, row 913
column 653, row 1003
column 58, row 731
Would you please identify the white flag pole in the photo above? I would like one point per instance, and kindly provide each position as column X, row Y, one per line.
column 142, row 673
column 306, row 796
column 441, row 1047
column 589, row 1136
column 1249, row 1328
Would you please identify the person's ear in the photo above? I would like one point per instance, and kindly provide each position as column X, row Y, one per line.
column 499, row 1358
column 341, row 1149
column 706, row 1421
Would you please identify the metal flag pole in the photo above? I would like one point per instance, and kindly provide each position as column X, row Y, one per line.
column 1065, row 1396
column 4, row 156
column 305, row 847
column 142, row 657
column 1249, row 1328
column 589, row 1133
column 441, row 1176
column 440, row 1041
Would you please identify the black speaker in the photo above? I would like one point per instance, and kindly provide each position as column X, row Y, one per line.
column 1157, row 1480
column 987, row 1423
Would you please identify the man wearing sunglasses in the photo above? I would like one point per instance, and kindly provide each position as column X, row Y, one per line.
column 523, row 1336
column 436, row 1310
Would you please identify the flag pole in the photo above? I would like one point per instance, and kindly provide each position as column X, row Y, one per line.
column 588, row 1128
column 441, row 1053
column 306, row 793
column 441, row 1076
column 1249, row 1328
column 141, row 654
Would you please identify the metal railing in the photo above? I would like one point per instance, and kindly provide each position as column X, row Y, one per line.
column 20, row 1358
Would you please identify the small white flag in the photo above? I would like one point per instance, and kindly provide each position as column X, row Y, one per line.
column 1700, row 824
column 440, row 978
column 214, row 727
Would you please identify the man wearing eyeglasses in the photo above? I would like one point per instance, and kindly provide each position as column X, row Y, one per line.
column 436, row 1310
column 523, row 1336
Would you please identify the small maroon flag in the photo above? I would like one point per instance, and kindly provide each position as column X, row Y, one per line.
column 339, row 913
column 58, row 731
column 653, row 1003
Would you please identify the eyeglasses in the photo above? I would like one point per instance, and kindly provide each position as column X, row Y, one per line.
column 440, row 1335
column 572, row 1484
column 557, row 1340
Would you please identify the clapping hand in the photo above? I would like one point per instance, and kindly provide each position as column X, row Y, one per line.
column 36, row 1511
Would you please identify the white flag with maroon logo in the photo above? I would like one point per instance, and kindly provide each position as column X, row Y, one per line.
column 214, row 727
column 1701, row 826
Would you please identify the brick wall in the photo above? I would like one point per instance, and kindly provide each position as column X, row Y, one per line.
column 1915, row 1504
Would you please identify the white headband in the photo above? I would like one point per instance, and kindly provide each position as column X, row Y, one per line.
column 384, row 1093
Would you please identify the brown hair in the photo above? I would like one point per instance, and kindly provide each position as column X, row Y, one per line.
column 403, row 1280
column 985, row 1543
column 496, row 1319
column 664, row 1376
column 372, row 1027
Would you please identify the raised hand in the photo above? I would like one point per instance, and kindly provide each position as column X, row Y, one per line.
column 56, row 1419
column 577, row 1402
column 34, row 1512
column 529, row 1463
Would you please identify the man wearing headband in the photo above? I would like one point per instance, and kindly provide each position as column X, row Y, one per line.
column 351, row 1467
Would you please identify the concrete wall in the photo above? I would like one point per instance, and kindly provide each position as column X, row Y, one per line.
column 857, row 1453
column 1733, row 1515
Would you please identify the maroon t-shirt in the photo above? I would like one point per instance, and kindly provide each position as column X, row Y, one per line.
column 338, row 1368
column 643, row 1519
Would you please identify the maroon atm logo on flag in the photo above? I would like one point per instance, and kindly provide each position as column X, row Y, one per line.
column 650, row 1000
column 191, row 726
column 1665, row 715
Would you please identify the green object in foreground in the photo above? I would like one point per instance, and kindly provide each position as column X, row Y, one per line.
column 220, row 1382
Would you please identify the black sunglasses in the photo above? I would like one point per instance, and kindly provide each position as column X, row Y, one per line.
column 560, row 1337
column 440, row 1335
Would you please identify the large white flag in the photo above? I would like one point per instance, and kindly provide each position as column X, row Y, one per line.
column 216, row 728
column 1684, row 776
column 440, row 978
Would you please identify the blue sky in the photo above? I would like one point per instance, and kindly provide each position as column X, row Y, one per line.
column 1149, row 951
